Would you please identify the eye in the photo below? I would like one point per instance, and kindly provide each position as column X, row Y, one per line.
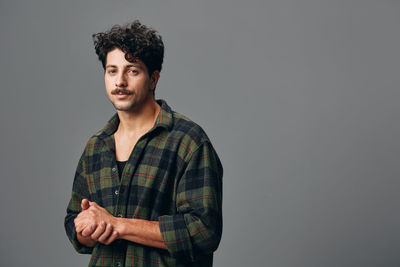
column 111, row 71
column 133, row 71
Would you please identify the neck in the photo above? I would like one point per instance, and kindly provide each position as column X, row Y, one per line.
column 138, row 120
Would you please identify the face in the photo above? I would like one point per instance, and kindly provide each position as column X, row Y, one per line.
column 128, row 84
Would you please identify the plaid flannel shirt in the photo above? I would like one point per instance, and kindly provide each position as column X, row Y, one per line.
column 173, row 176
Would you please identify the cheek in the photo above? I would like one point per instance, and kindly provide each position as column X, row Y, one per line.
column 109, row 86
column 108, row 81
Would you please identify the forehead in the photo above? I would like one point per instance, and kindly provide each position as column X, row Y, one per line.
column 116, row 58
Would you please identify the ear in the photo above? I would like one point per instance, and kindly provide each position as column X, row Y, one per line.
column 154, row 79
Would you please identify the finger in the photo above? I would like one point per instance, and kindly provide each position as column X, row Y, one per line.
column 106, row 234
column 99, row 230
column 78, row 227
column 88, row 230
column 79, row 224
column 94, row 204
column 85, row 204
column 112, row 238
column 82, row 225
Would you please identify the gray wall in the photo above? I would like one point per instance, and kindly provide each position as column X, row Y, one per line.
column 300, row 98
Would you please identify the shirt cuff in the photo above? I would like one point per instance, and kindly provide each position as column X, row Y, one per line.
column 176, row 236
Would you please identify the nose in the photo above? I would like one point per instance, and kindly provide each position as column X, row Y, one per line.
column 121, row 80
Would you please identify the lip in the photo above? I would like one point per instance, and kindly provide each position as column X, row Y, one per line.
column 121, row 96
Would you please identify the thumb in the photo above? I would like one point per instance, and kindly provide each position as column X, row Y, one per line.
column 85, row 204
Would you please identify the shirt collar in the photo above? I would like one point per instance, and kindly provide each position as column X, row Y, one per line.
column 164, row 120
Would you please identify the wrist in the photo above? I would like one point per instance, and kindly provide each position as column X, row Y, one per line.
column 119, row 226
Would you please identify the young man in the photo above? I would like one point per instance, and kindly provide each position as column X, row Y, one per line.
column 148, row 186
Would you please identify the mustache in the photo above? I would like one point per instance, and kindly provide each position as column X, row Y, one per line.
column 121, row 91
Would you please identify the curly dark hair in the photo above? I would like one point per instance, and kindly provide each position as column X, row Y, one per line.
column 137, row 41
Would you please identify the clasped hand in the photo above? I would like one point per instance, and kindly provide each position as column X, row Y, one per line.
column 96, row 223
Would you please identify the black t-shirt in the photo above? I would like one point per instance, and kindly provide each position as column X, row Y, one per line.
column 121, row 165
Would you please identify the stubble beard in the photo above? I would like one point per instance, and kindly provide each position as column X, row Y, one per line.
column 123, row 107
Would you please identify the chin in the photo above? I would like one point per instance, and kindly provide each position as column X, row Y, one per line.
column 124, row 107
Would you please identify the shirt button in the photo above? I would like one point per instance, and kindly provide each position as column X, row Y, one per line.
column 118, row 264
column 119, row 215
column 114, row 169
column 116, row 192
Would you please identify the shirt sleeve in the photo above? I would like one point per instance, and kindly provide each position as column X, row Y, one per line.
column 79, row 191
column 196, row 228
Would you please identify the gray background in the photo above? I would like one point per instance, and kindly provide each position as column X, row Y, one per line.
column 300, row 98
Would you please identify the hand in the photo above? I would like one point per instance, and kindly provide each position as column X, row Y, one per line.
column 81, row 225
column 104, row 233
column 96, row 223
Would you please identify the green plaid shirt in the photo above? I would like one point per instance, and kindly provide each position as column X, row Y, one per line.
column 173, row 176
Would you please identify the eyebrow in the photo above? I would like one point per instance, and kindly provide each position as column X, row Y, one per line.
column 127, row 66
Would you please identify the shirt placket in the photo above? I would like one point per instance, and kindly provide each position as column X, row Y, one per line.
column 122, row 195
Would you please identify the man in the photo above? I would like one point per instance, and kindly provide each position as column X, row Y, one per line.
column 148, row 186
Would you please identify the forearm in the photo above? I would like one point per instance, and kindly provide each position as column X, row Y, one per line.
column 140, row 231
